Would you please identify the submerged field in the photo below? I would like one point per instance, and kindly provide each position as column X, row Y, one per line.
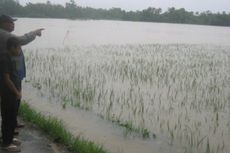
column 177, row 92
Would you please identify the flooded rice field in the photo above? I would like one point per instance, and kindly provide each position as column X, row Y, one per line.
column 178, row 94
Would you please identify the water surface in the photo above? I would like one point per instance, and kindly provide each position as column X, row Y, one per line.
column 171, row 87
column 62, row 32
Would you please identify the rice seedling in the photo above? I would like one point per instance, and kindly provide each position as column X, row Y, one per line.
column 179, row 91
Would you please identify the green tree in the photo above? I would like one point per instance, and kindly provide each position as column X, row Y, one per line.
column 10, row 7
column 151, row 14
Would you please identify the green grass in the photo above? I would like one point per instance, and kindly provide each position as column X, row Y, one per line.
column 130, row 128
column 55, row 128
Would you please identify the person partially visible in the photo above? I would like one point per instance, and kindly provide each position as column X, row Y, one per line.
column 6, row 29
column 10, row 89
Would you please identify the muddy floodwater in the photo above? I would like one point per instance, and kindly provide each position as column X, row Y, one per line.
column 133, row 87
column 61, row 32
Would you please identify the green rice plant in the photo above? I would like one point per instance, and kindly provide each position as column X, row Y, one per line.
column 55, row 128
column 208, row 150
column 146, row 133
column 147, row 85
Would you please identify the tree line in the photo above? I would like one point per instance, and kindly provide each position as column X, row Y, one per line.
column 72, row 11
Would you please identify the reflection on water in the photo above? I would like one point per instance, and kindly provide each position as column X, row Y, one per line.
column 180, row 93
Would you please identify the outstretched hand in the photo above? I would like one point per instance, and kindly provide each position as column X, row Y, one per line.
column 39, row 31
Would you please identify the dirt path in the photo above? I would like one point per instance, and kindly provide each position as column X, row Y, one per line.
column 34, row 141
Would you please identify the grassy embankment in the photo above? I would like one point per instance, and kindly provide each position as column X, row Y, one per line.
column 55, row 128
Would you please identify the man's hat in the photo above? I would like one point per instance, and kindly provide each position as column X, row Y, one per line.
column 6, row 18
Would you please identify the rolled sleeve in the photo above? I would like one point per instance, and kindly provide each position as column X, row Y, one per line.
column 24, row 40
column 27, row 38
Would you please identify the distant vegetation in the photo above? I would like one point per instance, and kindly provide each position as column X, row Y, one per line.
column 151, row 14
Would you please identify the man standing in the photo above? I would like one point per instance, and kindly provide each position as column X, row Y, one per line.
column 10, row 87
column 6, row 27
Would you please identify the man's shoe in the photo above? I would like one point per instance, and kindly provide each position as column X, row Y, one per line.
column 16, row 142
column 11, row 148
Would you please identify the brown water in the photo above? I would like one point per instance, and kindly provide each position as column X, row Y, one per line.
column 187, row 75
column 180, row 93
column 61, row 32
column 93, row 128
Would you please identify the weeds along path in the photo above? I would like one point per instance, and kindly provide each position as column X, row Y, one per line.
column 35, row 141
column 89, row 126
